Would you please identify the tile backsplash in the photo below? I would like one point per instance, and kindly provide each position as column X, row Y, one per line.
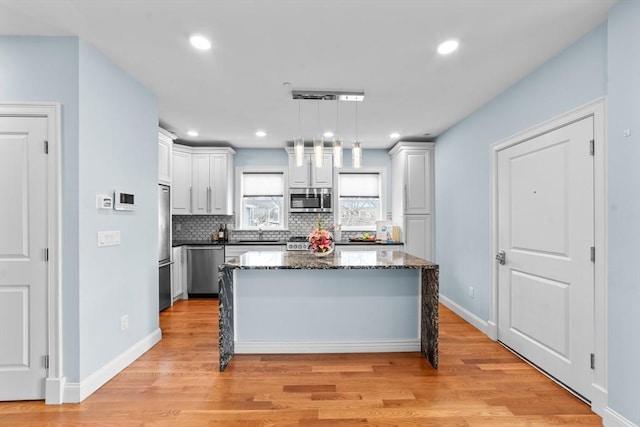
column 200, row 227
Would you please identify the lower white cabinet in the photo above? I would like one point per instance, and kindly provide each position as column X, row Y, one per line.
column 231, row 251
column 178, row 274
column 378, row 248
column 417, row 236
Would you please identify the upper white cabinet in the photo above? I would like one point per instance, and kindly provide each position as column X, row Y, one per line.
column 212, row 181
column 412, row 177
column 412, row 195
column 165, row 143
column 181, row 187
column 308, row 175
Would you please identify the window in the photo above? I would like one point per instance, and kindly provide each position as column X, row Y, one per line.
column 262, row 201
column 360, row 199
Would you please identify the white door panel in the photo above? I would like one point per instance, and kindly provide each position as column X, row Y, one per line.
column 23, row 268
column 546, row 229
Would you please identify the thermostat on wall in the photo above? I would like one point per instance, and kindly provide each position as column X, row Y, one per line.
column 124, row 201
column 104, row 202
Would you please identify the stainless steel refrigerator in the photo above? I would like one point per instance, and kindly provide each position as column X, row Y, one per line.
column 164, row 245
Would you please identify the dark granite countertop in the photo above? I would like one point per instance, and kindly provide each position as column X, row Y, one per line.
column 230, row 243
column 255, row 260
column 267, row 243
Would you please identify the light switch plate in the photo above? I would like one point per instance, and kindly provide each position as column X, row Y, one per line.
column 108, row 238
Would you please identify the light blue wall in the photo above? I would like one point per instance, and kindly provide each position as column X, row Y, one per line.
column 109, row 141
column 45, row 69
column 624, row 209
column 573, row 78
column 118, row 151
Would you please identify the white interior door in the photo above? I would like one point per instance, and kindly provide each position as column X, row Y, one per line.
column 23, row 266
column 546, row 230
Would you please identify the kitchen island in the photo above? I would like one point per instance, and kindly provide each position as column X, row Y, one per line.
column 349, row 301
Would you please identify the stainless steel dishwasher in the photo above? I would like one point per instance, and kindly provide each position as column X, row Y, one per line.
column 202, row 270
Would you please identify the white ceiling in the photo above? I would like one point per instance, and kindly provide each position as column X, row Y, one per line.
column 385, row 47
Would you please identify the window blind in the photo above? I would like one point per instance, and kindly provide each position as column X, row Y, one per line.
column 262, row 184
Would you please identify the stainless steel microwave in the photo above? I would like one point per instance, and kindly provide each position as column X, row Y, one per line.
column 304, row 200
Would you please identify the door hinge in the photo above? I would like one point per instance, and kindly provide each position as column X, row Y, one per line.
column 46, row 147
column 592, row 147
column 593, row 361
column 593, row 254
column 46, row 254
column 46, row 362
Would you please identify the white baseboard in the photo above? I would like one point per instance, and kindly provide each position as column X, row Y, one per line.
column 475, row 321
column 612, row 419
column 77, row 392
column 54, row 390
column 285, row 347
column 598, row 399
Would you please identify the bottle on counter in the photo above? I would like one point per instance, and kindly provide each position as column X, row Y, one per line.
column 221, row 234
column 214, row 237
column 225, row 234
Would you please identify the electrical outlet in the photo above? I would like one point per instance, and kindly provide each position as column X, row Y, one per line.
column 470, row 291
column 178, row 227
column 124, row 322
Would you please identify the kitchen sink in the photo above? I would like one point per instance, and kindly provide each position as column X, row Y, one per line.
column 258, row 241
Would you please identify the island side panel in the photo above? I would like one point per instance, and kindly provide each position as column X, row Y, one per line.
column 429, row 316
column 225, row 316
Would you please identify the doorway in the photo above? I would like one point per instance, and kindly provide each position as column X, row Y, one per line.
column 548, row 238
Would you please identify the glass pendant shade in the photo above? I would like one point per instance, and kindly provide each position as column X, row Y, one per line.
column 337, row 153
column 318, row 151
column 356, row 155
column 298, row 148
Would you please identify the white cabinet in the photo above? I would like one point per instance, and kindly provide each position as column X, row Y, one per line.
column 178, row 274
column 377, row 248
column 181, row 185
column 212, row 181
column 418, row 236
column 165, row 142
column 412, row 195
column 308, row 175
column 231, row 251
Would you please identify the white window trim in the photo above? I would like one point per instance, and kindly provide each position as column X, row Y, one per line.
column 382, row 172
column 285, row 195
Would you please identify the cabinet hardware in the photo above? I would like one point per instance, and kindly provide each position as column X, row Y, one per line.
column 501, row 258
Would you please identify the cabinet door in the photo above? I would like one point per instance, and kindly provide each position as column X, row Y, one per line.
column 417, row 234
column 322, row 177
column 201, row 193
column 164, row 161
column 181, row 188
column 418, row 183
column 299, row 175
column 219, row 184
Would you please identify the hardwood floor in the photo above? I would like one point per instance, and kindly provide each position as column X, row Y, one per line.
column 177, row 383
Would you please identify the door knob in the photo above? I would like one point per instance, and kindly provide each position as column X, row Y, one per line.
column 501, row 258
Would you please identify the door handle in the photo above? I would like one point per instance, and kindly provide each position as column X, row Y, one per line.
column 208, row 199
column 190, row 199
column 501, row 258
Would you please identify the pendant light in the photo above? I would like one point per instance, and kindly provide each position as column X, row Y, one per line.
column 298, row 144
column 356, row 149
column 318, row 144
column 337, row 142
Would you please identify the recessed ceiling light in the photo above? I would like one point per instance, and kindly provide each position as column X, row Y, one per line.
column 447, row 47
column 328, row 134
column 394, row 135
column 193, row 133
column 261, row 133
column 200, row 42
